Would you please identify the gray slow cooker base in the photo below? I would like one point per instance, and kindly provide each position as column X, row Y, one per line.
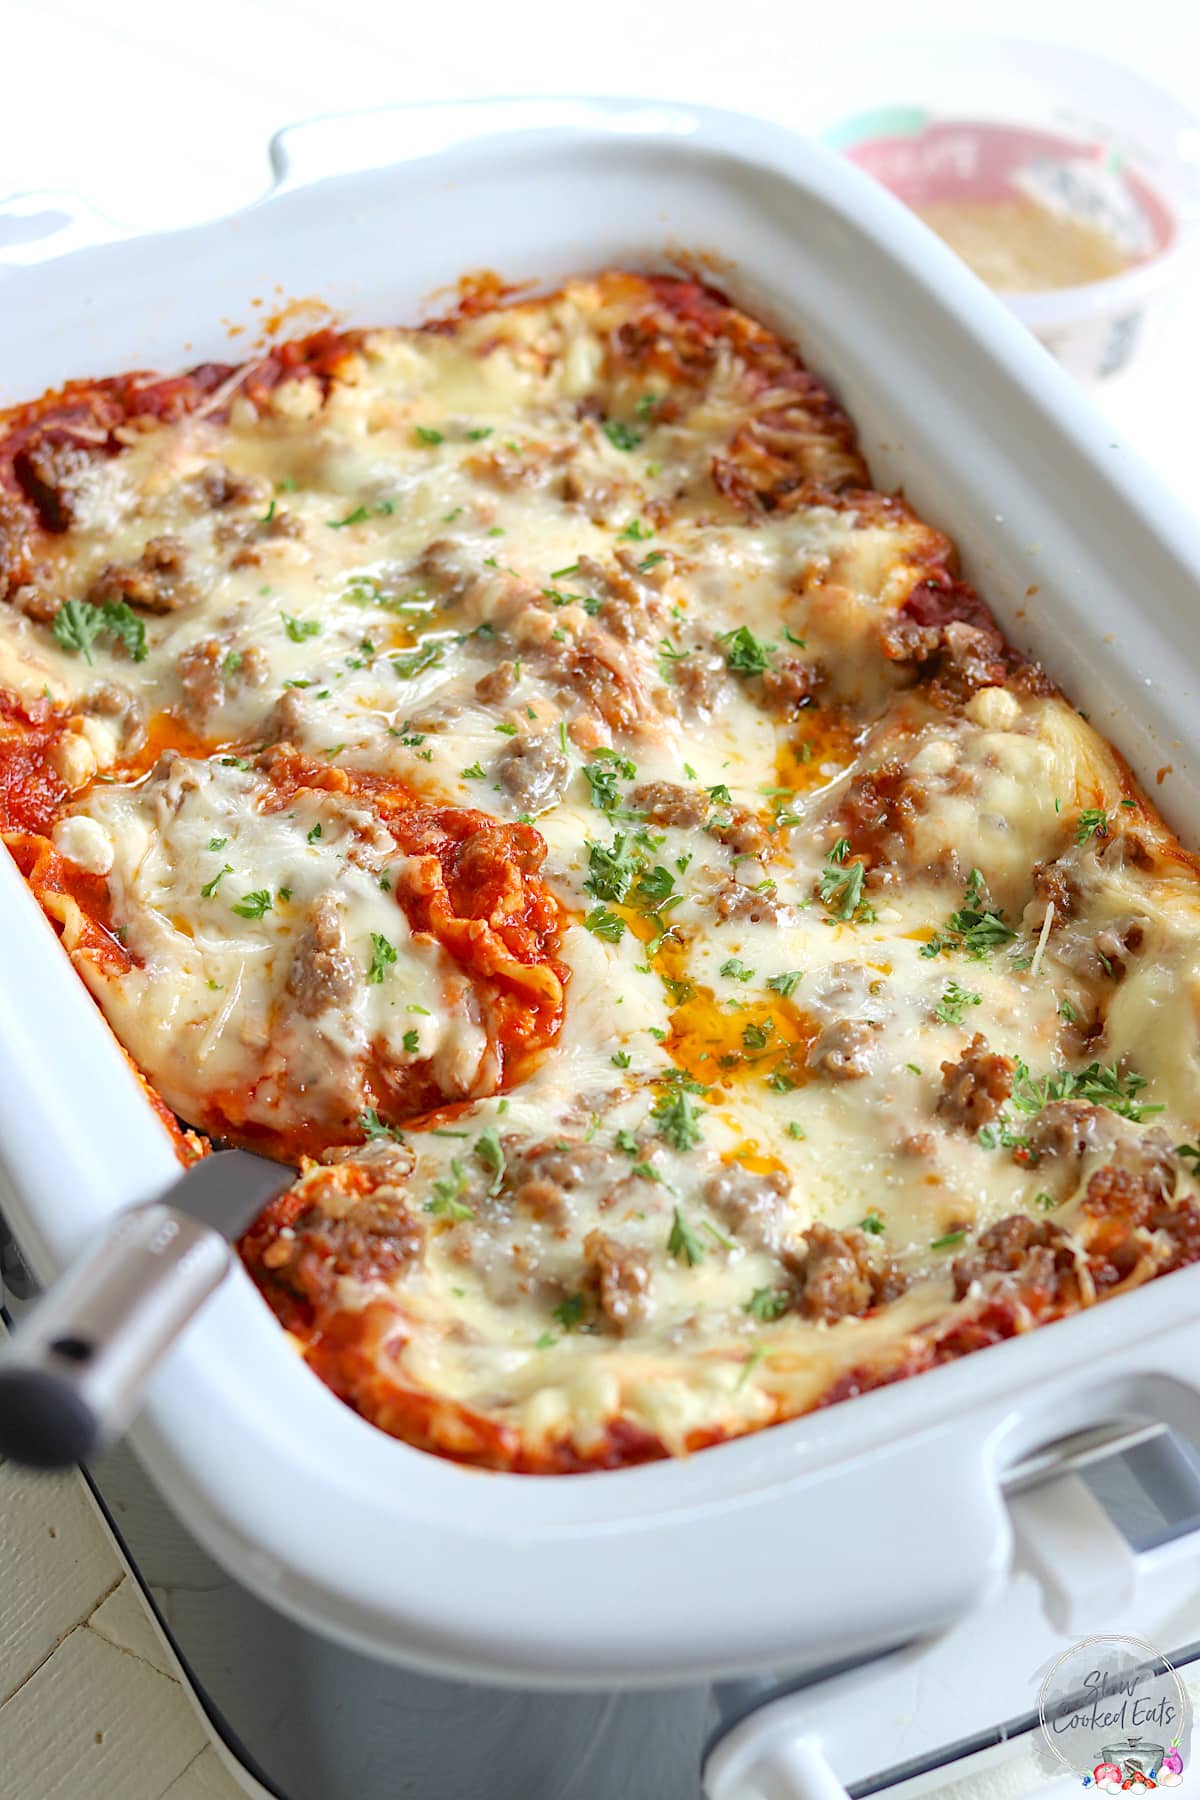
column 318, row 1722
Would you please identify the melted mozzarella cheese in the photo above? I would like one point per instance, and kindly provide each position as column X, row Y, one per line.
column 496, row 565
column 215, row 895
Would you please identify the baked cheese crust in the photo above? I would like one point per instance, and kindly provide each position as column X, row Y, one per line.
column 519, row 770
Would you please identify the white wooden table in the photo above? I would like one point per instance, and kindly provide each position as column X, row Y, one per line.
column 89, row 1707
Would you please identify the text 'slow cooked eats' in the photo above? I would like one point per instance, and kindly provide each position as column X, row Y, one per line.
column 518, row 769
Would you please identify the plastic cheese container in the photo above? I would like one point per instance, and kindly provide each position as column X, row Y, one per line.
column 1070, row 185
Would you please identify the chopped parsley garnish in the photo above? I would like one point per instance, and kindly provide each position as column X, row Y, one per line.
column 299, row 629
column 1045, row 1202
column 604, row 924
column 217, row 843
column 122, row 623
column 1099, row 1084
column 744, row 653
column 383, row 955
column 734, row 970
column 678, row 1119
column 947, row 1241
column 972, row 929
column 77, row 625
column 841, row 885
column 446, row 1199
column 636, row 532
column 412, row 1041
column 654, row 889
column 231, row 664
column 785, row 984
column 768, row 1304
column 425, row 656
column 602, row 774
column 490, row 1152
column 1093, row 822
column 683, row 1242
column 620, row 1059
column 873, row 1225
column 314, row 834
column 954, row 1002
column 1001, row 1134
column 425, row 434
column 1191, row 1151
column 611, row 868
column 651, row 561
column 474, row 773
column 562, row 574
column 679, row 1078
column 477, row 433
column 757, row 1037
column 254, row 905
column 352, row 518
column 749, row 1365
column 620, row 435
column 210, row 887
column 372, row 1127
column 362, row 591
column 568, row 1312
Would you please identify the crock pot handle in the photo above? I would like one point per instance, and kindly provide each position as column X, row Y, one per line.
column 72, row 1376
column 35, row 227
column 345, row 143
column 791, row 1769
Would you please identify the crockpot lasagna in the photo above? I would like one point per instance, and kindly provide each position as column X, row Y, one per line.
column 519, row 773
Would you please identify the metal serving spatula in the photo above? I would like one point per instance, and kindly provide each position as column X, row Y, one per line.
column 72, row 1375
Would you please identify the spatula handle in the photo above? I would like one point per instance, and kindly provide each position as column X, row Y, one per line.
column 73, row 1373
